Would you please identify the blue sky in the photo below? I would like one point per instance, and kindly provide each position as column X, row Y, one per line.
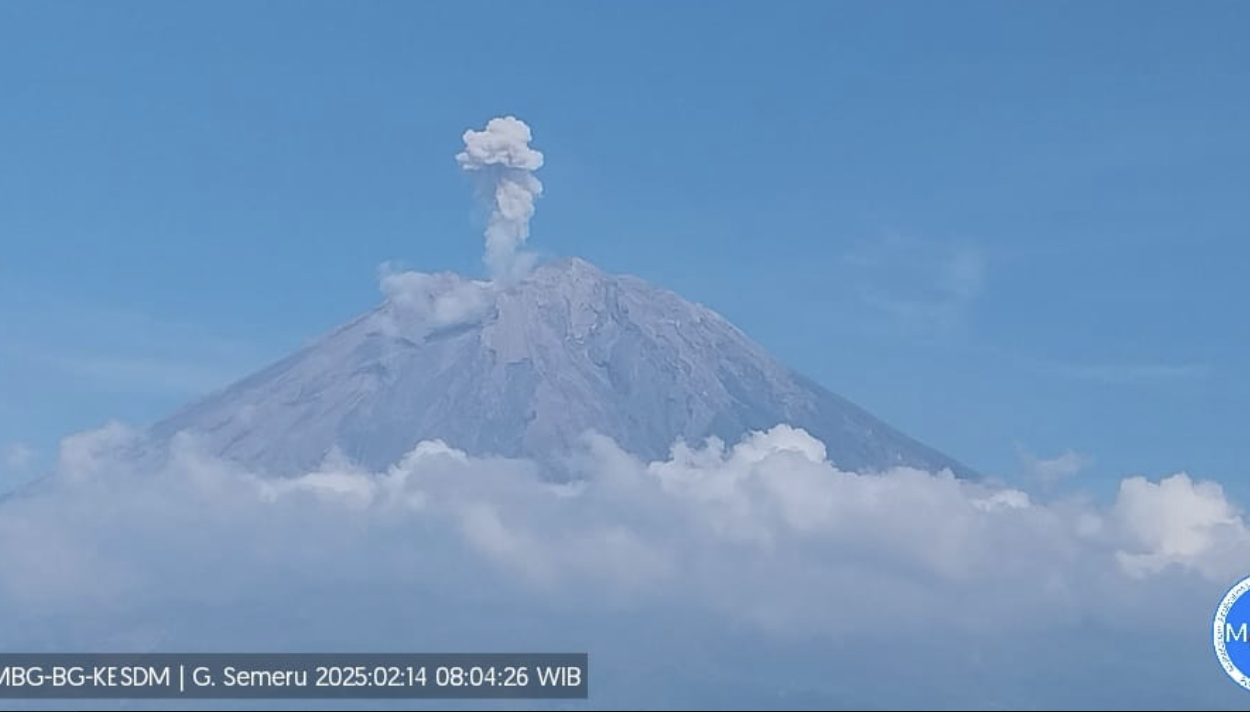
column 1006, row 229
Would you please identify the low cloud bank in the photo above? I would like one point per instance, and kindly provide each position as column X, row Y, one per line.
column 761, row 545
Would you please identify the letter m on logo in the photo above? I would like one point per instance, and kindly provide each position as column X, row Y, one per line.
column 1238, row 634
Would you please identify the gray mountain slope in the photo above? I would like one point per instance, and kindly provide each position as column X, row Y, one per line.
column 566, row 350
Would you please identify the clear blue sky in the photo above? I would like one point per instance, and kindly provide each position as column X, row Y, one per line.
column 1002, row 227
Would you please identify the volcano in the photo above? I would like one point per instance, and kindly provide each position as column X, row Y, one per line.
column 525, row 371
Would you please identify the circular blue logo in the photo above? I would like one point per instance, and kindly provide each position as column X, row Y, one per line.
column 1232, row 633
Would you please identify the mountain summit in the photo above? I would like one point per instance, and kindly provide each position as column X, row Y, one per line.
column 525, row 369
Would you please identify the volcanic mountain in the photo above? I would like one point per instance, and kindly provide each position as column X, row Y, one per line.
column 524, row 370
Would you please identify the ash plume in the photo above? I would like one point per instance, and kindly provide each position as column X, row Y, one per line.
column 501, row 160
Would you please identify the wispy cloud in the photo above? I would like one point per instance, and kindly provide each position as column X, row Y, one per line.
column 1133, row 372
column 919, row 283
column 1049, row 471
column 18, row 457
column 118, row 350
column 149, row 374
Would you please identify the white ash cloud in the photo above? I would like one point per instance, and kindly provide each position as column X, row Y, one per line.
column 503, row 164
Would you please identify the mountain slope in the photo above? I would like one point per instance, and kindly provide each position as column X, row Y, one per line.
column 525, row 372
